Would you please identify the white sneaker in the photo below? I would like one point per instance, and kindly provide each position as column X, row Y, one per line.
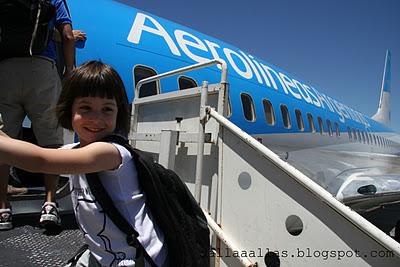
column 5, row 219
column 49, row 215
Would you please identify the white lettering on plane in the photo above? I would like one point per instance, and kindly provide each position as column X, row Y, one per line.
column 243, row 64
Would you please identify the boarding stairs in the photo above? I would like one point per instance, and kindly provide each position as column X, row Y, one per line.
column 262, row 211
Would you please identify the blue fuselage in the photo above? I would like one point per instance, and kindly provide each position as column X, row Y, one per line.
column 126, row 37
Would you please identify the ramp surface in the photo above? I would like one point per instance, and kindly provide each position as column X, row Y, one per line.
column 27, row 245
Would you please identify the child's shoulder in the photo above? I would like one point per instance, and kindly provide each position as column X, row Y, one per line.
column 124, row 153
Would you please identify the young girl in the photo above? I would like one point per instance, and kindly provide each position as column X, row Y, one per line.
column 93, row 103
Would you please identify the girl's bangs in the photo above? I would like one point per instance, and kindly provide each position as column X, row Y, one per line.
column 97, row 86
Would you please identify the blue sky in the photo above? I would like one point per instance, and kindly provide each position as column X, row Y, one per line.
column 337, row 46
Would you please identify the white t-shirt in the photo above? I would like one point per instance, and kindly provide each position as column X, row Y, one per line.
column 106, row 242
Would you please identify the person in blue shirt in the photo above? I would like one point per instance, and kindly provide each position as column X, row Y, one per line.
column 30, row 86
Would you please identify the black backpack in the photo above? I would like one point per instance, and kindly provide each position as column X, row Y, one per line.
column 24, row 27
column 173, row 208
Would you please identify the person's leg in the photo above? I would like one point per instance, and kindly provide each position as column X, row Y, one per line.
column 4, row 169
column 49, row 213
column 12, row 114
column 51, row 185
column 5, row 211
column 40, row 105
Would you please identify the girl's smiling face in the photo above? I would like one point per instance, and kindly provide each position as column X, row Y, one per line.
column 93, row 118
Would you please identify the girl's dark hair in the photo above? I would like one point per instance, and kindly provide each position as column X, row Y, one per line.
column 95, row 79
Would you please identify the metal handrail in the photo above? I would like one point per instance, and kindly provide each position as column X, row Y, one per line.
column 245, row 261
column 317, row 190
column 217, row 61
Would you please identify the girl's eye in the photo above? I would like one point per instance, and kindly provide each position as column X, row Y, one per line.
column 108, row 110
column 84, row 108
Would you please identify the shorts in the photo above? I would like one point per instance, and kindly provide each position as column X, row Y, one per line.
column 30, row 87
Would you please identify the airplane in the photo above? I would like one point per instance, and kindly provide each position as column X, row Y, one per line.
column 354, row 157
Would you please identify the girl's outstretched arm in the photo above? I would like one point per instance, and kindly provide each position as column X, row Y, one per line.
column 95, row 157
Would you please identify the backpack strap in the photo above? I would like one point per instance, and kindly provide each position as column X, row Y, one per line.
column 105, row 201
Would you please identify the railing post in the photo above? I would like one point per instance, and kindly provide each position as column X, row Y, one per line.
column 200, row 142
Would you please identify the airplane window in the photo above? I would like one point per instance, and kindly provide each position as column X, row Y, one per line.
column 142, row 72
column 248, row 107
column 299, row 119
column 311, row 122
column 337, row 129
column 328, row 122
column 186, row 82
column 286, row 117
column 228, row 107
column 321, row 125
column 359, row 136
column 349, row 132
column 269, row 112
column 355, row 134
